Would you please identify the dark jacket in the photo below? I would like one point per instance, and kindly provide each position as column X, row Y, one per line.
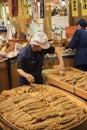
column 79, row 42
column 31, row 62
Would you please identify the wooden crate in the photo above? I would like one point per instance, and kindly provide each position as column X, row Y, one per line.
column 81, row 91
column 14, row 76
column 71, row 80
column 4, row 76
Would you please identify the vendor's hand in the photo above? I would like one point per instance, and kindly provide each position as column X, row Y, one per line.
column 63, row 48
column 60, row 68
column 30, row 78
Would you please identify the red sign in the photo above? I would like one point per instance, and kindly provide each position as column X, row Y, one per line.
column 70, row 31
column 55, row 1
column 13, row 7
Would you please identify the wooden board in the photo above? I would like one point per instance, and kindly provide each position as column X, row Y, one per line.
column 81, row 91
column 53, row 80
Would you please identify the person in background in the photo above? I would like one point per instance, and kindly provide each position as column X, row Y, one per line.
column 81, row 24
column 79, row 42
column 30, row 59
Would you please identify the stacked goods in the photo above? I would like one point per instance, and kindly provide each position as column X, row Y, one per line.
column 71, row 80
column 38, row 107
column 72, row 77
column 75, row 77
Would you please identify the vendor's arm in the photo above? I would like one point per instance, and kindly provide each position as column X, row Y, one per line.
column 60, row 59
column 20, row 69
column 28, row 77
column 53, row 50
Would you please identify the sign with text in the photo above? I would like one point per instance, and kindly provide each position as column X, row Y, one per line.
column 41, row 8
column 74, row 4
column 84, row 7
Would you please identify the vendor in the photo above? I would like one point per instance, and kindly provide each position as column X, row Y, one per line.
column 30, row 59
column 79, row 42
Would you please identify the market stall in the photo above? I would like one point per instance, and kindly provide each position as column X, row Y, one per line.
column 59, row 103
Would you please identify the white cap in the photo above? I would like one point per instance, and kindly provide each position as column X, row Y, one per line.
column 40, row 39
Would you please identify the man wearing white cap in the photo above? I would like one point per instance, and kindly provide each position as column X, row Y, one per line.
column 30, row 59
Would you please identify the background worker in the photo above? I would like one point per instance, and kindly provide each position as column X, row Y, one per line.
column 79, row 42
